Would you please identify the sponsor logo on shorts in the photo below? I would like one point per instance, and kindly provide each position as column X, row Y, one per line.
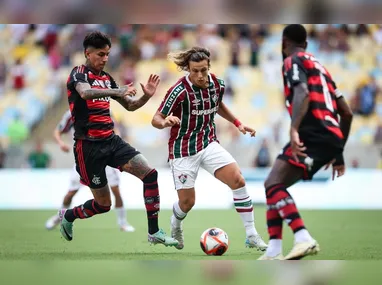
column 182, row 178
column 309, row 162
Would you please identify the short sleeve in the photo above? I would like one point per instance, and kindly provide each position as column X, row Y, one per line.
column 172, row 99
column 66, row 123
column 297, row 73
column 77, row 75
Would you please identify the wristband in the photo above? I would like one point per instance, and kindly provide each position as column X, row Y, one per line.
column 237, row 123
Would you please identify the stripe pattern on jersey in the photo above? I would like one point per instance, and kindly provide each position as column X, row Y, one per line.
column 322, row 117
column 196, row 109
column 91, row 117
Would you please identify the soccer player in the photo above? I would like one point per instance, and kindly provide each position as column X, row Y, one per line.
column 189, row 108
column 96, row 146
column 112, row 175
column 317, row 138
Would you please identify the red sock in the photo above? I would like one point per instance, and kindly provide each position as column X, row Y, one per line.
column 281, row 200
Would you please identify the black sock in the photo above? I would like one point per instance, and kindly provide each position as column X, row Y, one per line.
column 151, row 198
column 85, row 211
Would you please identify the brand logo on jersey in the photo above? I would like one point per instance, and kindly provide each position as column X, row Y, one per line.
column 173, row 95
column 104, row 99
column 195, row 102
column 205, row 112
column 182, row 178
column 101, row 83
column 96, row 180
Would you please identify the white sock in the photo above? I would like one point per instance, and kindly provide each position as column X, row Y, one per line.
column 275, row 247
column 243, row 202
column 121, row 216
column 302, row 236
column 177, row 216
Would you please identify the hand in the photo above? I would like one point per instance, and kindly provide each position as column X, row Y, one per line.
column 64, row 147
column 151, row 85
column 127, row 90
column 171, row 121
column 297, row 146
column 245, row 129
column 336, row 169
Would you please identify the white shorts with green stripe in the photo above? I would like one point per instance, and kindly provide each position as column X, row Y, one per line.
column 185, row 169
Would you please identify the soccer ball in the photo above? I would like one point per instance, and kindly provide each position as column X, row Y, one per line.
column 214, row 241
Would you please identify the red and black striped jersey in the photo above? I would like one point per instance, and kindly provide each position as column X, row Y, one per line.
column 321, row 122
column 91, row 118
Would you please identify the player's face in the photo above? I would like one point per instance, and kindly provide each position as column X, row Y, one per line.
column 199, row 73
column 98, row 57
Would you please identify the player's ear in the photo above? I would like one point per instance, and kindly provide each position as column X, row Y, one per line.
column 305, row 45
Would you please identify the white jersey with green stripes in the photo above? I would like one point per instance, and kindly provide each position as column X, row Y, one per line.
column 196, row 108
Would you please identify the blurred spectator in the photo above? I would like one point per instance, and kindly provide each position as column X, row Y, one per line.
column 39, row 158
column 127, row 71
column 18, row 75
column 17, row 134
column 378, row 134
column 362, row 30
column 115, row 54
column 365, row 97
column 234, row 39
column 3, row 74
column 2, row 156
column 378, row 35
column 355, row 163
column 255, row 47
column 379, row 166
column 55, row 57
column 263, row 157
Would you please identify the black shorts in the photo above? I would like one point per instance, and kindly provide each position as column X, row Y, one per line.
column 318, row 156
column 93, row 156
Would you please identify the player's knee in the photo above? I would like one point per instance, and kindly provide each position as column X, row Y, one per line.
column 238, row 181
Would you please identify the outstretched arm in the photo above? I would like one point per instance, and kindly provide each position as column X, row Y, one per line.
column 227, row 114
column 86, row 92
column 132, row 104
column 149, row 90
column 57, row 136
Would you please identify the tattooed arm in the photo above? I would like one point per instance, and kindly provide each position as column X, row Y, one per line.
column 148, row 91
column 86, row 92
column 131, row 104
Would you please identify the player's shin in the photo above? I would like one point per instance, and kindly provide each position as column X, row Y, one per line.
column 178, row 215
column 121, row 215
column 243, row 205
column 288, row 211
column 152, row 200
column 85, row 211
column 274, row 224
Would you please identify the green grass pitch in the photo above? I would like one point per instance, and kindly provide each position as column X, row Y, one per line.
column 343, row 235
column 101, row 254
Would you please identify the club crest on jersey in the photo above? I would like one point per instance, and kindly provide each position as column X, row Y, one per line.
column 182, row 178
column 215, row 97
